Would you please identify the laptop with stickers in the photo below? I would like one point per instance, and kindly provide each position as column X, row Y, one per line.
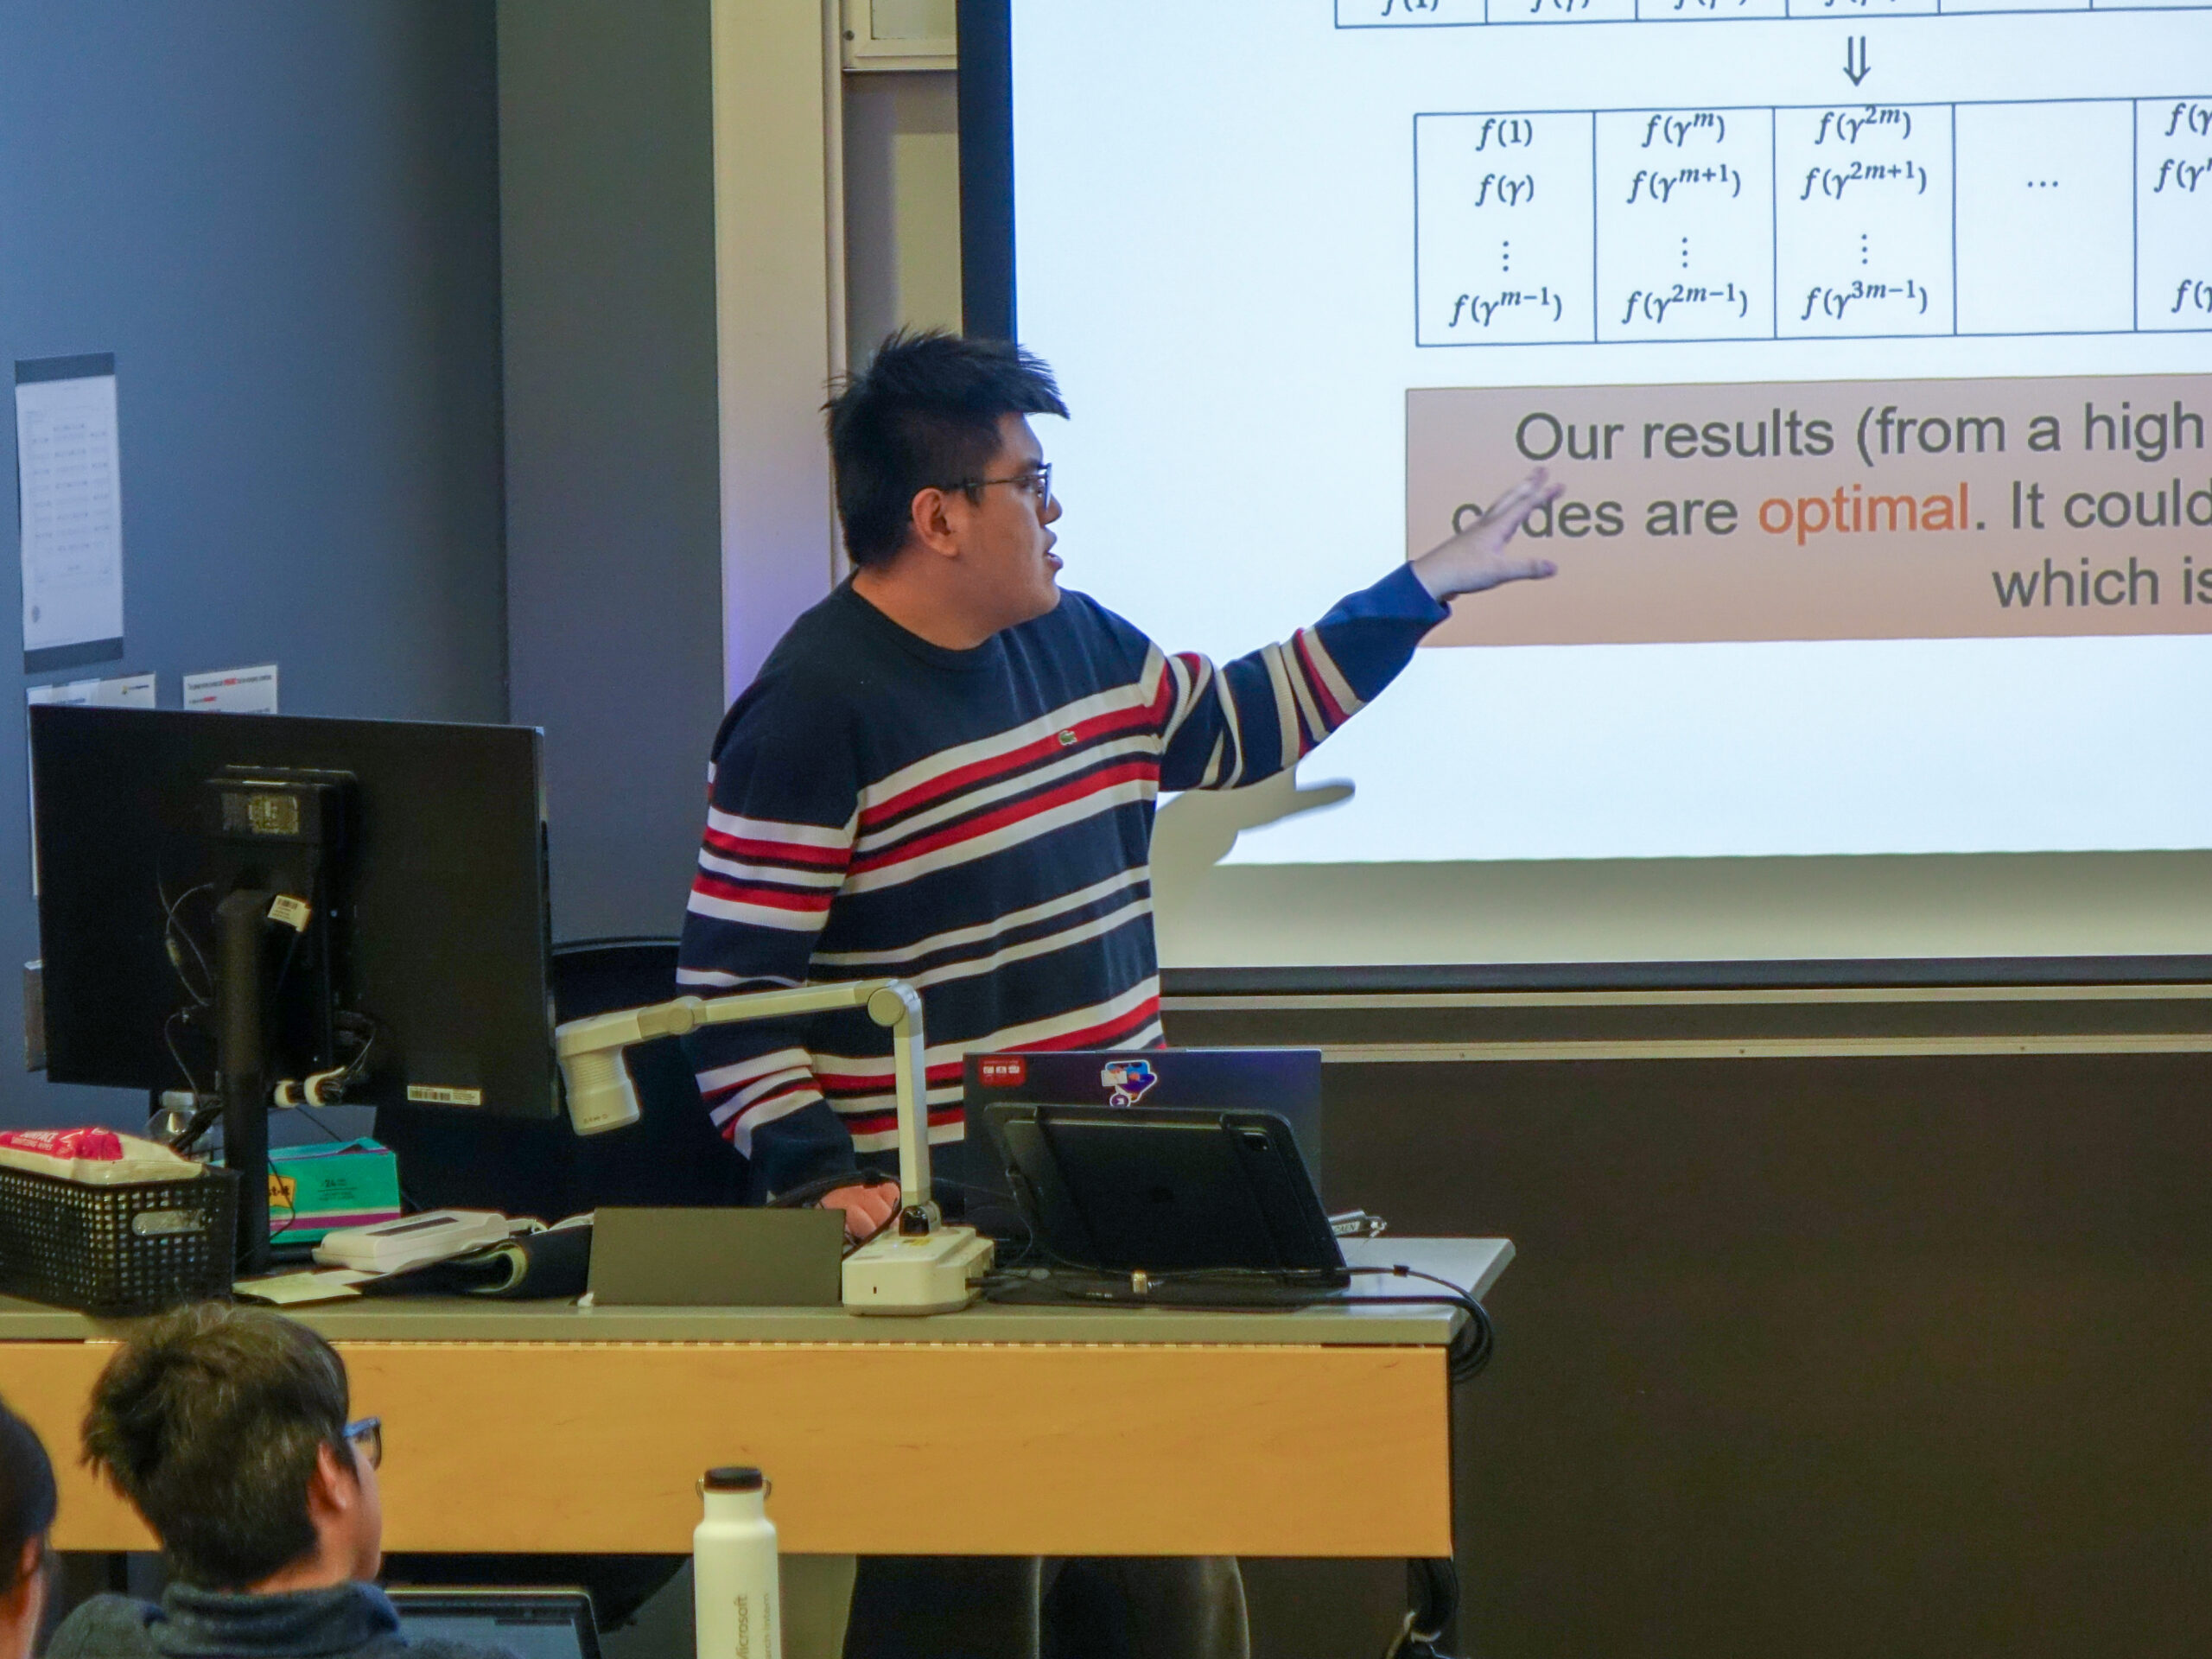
column 1284, row 1081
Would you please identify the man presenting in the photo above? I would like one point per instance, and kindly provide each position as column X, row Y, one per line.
column 945, row 772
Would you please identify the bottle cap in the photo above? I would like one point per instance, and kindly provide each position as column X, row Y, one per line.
column 734, row 1480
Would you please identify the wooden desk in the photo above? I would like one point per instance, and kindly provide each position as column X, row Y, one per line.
column 1320, row 1431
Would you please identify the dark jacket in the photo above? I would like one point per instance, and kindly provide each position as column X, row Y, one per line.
column 353, row 1621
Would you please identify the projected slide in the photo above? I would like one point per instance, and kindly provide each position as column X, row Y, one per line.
column 1872, row 342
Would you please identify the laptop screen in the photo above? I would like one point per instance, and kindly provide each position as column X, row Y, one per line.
column 529, row 1624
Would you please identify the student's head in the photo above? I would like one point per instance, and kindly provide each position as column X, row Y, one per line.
column 225, row 1428
column 27, row 1503
column 935, row 460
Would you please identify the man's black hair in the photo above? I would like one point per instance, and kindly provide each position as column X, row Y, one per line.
column 27, row 1495
column 924, row 415
column 209, row 1420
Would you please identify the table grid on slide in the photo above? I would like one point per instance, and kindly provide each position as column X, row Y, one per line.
column 1473, row 14
column 1814, row 221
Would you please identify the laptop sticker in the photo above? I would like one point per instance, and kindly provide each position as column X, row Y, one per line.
column 1128, row 1080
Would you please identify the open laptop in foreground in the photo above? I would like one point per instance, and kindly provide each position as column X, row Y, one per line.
column 530, row 1624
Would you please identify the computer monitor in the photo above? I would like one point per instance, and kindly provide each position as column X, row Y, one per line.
column 231, row 905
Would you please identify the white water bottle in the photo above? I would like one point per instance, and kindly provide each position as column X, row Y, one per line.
column 733, row 1575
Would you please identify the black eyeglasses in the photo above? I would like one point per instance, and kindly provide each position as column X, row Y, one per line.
column 1038, row 481
column 367, row 1434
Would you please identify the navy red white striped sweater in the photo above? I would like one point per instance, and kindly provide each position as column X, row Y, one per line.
column 978, row 823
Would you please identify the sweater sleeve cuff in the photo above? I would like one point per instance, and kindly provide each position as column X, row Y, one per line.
column 1400, row 593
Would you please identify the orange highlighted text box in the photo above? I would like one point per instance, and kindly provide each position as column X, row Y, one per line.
column 1831, row 509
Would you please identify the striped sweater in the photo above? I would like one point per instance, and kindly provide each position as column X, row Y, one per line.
column 978, row 823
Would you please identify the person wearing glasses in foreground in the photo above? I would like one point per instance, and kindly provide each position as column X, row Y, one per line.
column 945, row 771
column 225, row 1428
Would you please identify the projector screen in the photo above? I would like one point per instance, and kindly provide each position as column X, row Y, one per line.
column 1870, row 344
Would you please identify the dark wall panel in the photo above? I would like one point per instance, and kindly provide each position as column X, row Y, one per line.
column 1821, row 1356
column 614, row 483
column 283, row 219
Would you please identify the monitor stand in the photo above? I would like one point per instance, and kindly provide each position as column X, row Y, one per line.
column 242, row 1064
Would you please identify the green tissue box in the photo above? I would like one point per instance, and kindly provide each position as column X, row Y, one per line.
column 316, row 1190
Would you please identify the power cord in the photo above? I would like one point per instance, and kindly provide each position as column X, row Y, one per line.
column 1433, row 1586
column 328, row 1088
column 177, row 941
column 1468, row 1353
column 197, row 975
column 1475, row 1341
column 188, row 958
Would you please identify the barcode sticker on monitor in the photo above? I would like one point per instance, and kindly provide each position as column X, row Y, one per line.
column 290, row 912
column 429, row 1095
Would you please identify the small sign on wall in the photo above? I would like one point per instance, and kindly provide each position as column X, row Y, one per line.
column 131, row 691
column 233, row 690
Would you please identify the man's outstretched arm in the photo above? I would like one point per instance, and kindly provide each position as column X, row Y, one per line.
column 1245, row 720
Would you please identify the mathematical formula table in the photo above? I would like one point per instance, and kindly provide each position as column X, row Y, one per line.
column 1461, row 14
column 1823, row 221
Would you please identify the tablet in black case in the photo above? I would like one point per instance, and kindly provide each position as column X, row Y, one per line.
column 1128, row 1189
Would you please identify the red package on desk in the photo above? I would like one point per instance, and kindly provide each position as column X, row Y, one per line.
column 101, row 1157
column 95, row 1146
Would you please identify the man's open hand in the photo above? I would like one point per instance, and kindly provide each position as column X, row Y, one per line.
column 1479, row 556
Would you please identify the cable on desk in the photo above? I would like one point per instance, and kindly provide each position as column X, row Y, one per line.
column 1469, row 1352
column 1472, row 1346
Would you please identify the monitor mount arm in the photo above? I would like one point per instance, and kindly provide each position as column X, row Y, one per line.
column 244, row 1088
column 241, row 1065
column 919, row 1266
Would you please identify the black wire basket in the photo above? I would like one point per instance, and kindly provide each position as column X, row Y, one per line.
column 133, row 1248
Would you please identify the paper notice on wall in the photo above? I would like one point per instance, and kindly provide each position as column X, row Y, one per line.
column 70, row 493
column 233, row 690
column 130, row 691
